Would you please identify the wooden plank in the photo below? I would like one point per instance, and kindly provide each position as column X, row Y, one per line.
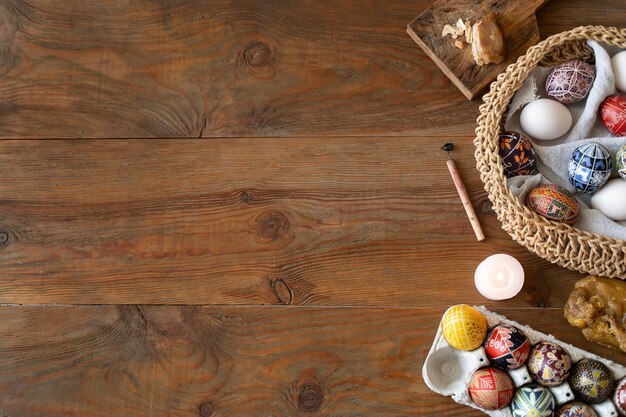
column 140, row 68
column 161, row 361
column 559, row 15
column 346, row 221
column 516, row 20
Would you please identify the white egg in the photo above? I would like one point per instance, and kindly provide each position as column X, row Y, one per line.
column 619, row 69
column 611, row 199
column 545, row 119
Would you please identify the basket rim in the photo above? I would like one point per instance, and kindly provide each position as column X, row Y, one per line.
column 558, row 243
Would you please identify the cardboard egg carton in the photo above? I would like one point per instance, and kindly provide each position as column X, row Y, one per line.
column 448, row 371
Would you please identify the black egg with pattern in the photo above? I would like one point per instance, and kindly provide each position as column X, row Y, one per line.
column 592, row 381
column 518, row 154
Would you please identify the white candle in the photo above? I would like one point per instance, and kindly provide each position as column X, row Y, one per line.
column 499, row 277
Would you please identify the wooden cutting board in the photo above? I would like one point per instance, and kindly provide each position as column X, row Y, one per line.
column 516, row 19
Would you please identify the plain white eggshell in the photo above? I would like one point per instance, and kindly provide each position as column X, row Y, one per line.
column 619, row 69
column 611, row 199
column 545, row 119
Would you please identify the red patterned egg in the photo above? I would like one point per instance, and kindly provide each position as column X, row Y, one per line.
column 553, row 203
column 570, row 82
column 549, row 364
column 613, row 113
column 575, row 409
column 507, row 347
column 491, row 388
column 518, row 155
column 619, row 398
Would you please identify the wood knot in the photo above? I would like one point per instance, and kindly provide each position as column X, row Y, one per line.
column 206, row 409
column 245, row 197
column 283, row 291
column 258, row 54
column 4, row 238
column 310, row 397
column 272, row 225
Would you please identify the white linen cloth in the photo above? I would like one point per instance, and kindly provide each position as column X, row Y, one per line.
column 553, row 156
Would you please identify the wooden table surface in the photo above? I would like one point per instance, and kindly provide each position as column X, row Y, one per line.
column 244, row 210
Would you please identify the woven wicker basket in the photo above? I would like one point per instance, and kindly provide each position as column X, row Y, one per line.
column 559, row 243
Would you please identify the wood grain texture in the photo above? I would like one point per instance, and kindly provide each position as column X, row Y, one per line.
column 154, row 68
column 516, row 20
column 185, row 361
column 327, row 189
column 345, row 221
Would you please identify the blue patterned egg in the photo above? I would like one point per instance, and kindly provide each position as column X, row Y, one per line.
column 620, row 161
column 533, row 400
column 518, row 155
column 590, row 167
column 570, row 82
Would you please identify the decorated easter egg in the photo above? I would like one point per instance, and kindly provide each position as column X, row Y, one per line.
column 545, row 119
column 575, row 409
column 533, row 400
column 619, row 398
column 589, row 167
column 518, row 155
column 570, row 82
column 613, row 113
column 507, row 347
column 553, row 203
column 620, row 161
column 591, row 381
column 549, row 364
column 491, row 388
column 464, row 327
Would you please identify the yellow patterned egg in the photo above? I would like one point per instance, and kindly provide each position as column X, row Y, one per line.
column 464, row 327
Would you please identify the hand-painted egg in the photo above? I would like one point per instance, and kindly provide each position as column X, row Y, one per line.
column 491, row 388
column 591, row 381
column 518, row 155
column 620, row 161
column 619, row 398
column 575, row 409
column 610, row 200
column 549, row 364
column 570, row 82
column 464, row 327
column 553, row 203
column 590, row 167
column 545, row 119
column 507, row 347
column 533, row 400
column 613, row 113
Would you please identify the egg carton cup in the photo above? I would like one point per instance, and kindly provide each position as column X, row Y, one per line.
column 447, row 371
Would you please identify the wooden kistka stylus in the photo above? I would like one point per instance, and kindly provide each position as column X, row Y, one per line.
column 460, row 188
